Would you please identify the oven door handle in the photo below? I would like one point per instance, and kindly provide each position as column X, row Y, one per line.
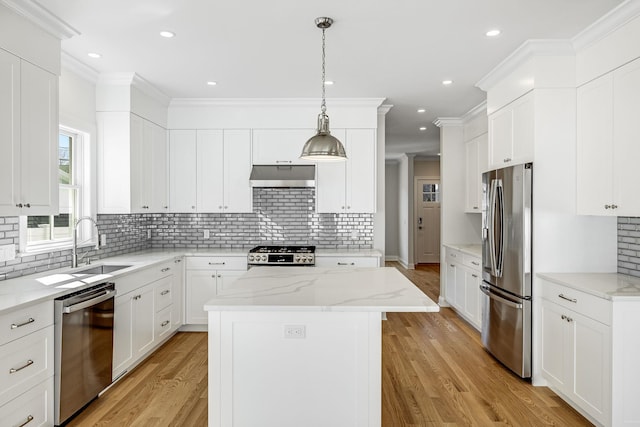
column 88, row 303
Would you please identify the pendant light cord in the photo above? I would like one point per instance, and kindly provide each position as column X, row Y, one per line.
column 323, row 106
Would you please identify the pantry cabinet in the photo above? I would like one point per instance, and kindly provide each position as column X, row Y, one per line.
column 139, row 148
column 28, row 138
column 349, row 186
column 209, row 171
column 511, row 133
column 608, row 135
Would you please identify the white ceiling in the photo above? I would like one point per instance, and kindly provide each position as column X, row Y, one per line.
column 400, row 50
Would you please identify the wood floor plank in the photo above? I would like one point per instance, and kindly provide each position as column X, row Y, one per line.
column 434, row 373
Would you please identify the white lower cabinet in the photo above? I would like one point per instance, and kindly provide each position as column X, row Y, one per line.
column 143, row 313
column 587, row 347
column 462, row 285
column 347, row 261
column 205, row 277
column 26, row 366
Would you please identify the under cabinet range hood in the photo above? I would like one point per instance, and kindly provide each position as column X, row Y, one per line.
column 283, row 176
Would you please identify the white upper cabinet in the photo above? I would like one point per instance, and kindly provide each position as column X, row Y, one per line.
column 209, row 171
column 132, row 164
column 608, row 149
column 350, row 186
column 511, row 133
column 28, row 138
column 477, row 163
column 279, row 146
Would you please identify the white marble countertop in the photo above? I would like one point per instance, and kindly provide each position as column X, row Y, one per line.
column 376, row 289
column 320, row 252
column 474, row 249
column 611, row 286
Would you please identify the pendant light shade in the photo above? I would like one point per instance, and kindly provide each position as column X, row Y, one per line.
column 323, row 146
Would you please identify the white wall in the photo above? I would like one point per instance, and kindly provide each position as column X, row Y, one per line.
column 392, row 210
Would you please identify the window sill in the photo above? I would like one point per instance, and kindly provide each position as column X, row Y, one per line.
column 54, row 247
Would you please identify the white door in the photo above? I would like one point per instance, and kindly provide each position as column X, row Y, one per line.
column 159, row 170
column 427, row 220
column 200, row 288
column 361, row 170
column 182, row 170
column 210, row 171
column 9, row 133
column 238, row 194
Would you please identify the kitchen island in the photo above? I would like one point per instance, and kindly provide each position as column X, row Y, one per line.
column 300, row 346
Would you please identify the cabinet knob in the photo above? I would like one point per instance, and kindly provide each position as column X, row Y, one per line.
column 226, row 207
column 607, row 206
column 28, row 205
column 348, row 207
column 18, row 205
column 220, row 207
column 165, row 323
column 341, row 207
column 166, row 207
column 614, row 206
column 164, row 270
column 475, row 207
column 507, row 160
column 193, row 207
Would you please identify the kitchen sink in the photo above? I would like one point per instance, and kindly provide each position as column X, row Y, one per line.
column 102, row 269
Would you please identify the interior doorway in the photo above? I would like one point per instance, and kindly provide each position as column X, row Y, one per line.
column 427, row 217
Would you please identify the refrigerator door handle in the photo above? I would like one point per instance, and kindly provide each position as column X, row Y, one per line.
column 491, row 234
column 500, row 210
column 487, row 291
column 496, row 213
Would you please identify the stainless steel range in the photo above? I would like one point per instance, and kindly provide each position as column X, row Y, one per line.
column 282, row 255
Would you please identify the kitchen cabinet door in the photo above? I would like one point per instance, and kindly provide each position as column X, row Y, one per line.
column 9, row 133
column 238, row 194
column 595, row 147
column 177, row 309
column 626, row 137
column 279, row 146
column 450, row 286
column 472, row 297
column 140, row 165
column 201, row 286
column 500, row 137
column 39, row 141
column 143, row 320
column 512, row 133
column 331, row 186
column 182, row 171
column 210, row 171
column 226, row 279
column 361, row 170
column 155, row 138
column 122, row 334
column 556, row 345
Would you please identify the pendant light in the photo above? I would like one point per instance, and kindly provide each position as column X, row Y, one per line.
column 323, row 146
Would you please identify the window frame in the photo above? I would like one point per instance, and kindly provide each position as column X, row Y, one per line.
column 80, row 180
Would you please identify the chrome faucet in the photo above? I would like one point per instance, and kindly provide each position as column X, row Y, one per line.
column 74, row 249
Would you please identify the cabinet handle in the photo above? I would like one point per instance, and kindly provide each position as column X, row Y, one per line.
column 166, row 207
column 451, row 265
column 164, row 270
column 346, row 263
column 18, row 325
column 29, row 419
column 283, row 161
column 177, row 261
column 475, row 207
column 567, row 298
column 475, row 276
column 164, row 292
column 193, row 207
column 475, row 263
column 165, row 323
column 219, row 275
column 453, row 255
column 137, row 297
column 18, row 205
column 14, row 370
column 507, row 160
column 217, row 263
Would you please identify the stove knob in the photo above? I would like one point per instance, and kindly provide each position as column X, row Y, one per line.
column 250, row 258
column 263, row 258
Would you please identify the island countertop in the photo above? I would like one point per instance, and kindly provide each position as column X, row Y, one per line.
column 373, row 289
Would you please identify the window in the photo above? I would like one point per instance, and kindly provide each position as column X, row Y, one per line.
column 430, row 193
column 40, row 233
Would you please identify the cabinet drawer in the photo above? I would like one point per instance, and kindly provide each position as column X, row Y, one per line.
column 217, row 263
column 163, row 293
column 330, row 261
column 25, row 363
column 163, row 324
column 586, row 304
column 454, row 256
column 130, row 282
column 33, row 408
column 471, row 261
column 23, row 321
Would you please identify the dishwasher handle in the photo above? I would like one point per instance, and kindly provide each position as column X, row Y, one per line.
column 95, row 299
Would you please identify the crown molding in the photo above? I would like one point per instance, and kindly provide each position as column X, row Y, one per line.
column 526, row 51
column 607, row 24
column 134, row 80
column 42, row 17
column 448, row 121
column 475, row 111
column 384, row 109
column 78, row 68
column 275, row 102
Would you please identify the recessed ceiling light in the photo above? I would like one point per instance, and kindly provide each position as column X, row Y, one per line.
column 493, row 33
column 167, row 34
column 423, row 128
column 212, row 83
column 447, row 82
column 94, row 55
column 438, row 154
column 329, row 82
column 421, row 110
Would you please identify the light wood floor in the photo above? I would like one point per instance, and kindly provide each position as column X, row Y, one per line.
column 434, row 373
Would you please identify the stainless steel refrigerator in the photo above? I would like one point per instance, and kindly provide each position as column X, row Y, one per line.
column 506, row 266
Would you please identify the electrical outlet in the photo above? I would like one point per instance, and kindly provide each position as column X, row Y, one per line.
column 148, row 233
column 103, row 240
column 295, row 331
column 206, row 234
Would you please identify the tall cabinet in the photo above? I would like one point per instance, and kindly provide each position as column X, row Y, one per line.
column 28, row 138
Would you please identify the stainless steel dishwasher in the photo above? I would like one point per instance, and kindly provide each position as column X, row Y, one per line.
column 83, row 348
